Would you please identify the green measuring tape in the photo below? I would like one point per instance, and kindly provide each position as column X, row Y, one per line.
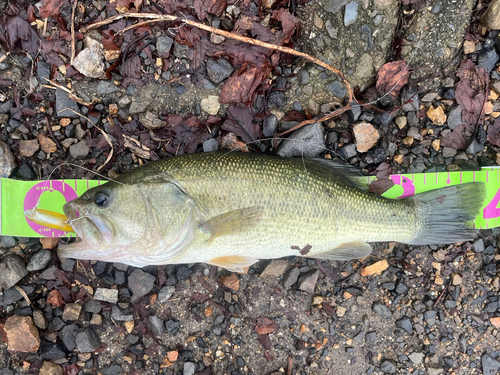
column 16, row 197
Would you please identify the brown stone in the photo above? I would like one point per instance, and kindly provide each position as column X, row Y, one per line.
column 436, row 115
column 495, row 321
column 46, row 144
column 22, row 334
column 377, row 267
column 71, row 311
column 49, row 242
column 230, row 282
column 49, row 368
column 366, row 136
column 275, row 268
column 28, row 148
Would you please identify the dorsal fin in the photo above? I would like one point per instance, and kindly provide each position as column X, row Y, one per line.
column 346, row 171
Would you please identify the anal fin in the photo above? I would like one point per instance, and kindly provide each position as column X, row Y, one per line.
column 233, row 263
column 345, row 251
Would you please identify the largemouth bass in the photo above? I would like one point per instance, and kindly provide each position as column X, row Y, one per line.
column 231, row 210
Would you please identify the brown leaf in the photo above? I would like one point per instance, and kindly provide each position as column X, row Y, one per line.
column 50, row 8
column 17, row 34
column 55, row 298
column 391, row 78
column 265, row 325
column 241, row 88
column 455, row 139
column 471, row 93
column 289, row 22
column 240, row 122
column 199, row 297
column 494, row 132
column 265, row 341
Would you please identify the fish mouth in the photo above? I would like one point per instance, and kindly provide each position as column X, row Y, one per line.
column 93, row 232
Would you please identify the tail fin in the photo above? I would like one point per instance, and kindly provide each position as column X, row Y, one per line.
column 447, row 213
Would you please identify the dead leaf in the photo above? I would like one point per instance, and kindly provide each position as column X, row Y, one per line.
column 375, row 268
column 494, row 133
column 240, row 121
column 392, row 77
column 199, row 297
column 17, row 34
column 242, row 88
column 471, row 93
column 289, row 22
column 50, row 8
column 266, row 325
column 455, row 139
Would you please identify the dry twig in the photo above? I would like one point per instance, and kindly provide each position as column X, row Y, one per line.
column 71, row 94
column 75, row 3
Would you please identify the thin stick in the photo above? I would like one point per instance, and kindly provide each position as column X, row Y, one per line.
column 167, row 17
column 71, row 94
column 104, row 134
column 75, row 3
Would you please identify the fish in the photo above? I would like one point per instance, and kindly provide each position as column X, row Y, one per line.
column 232, row 209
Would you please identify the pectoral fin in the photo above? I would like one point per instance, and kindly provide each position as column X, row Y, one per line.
column 233, row 221
column 345, row 251
column 233, row 263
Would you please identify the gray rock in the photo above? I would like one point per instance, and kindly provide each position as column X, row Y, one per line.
column 348, row 151
column 43, row 71
column 416, row 358
column 106, row 87
column 405, row 324
column 333, row 6
column 275, row 268
column 455, row 118
column 490, row 365
column 92, row 306
column 382, row 310
column 487, row 59
column 449, row 152
column 87, row 341
column 39, row 260
column 475, row 147
column 388, row 367
column 430, row 317
column 138, row 106
column 218, row 71
column 63, row 102
column 151, row 120
column 11, row 271
column 270, row 126
column 180, row 50
column 479, row 245
column 118, row 315
column 189, row 368
column 165, row 293
column 39, row 319
column 411, row 96
column 140, row 283
column 172, row 326
column 307, row 283
column 67, row 264
column 163, row 45
column 371, row 337
column 157, row 327
column 68, row 336
column 211, row 145
column 351, row 13
column 291, row 277
column 7, row 160
column 112, row 370
column 56, row 324
column 435, row 370
column 303, row 77
column 79, row 150
column 337, row 89
column 307, row 142
column 6, row 242
column 106, row 295
column 50, row 351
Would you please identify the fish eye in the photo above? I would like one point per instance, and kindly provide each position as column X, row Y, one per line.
column 101, row 198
